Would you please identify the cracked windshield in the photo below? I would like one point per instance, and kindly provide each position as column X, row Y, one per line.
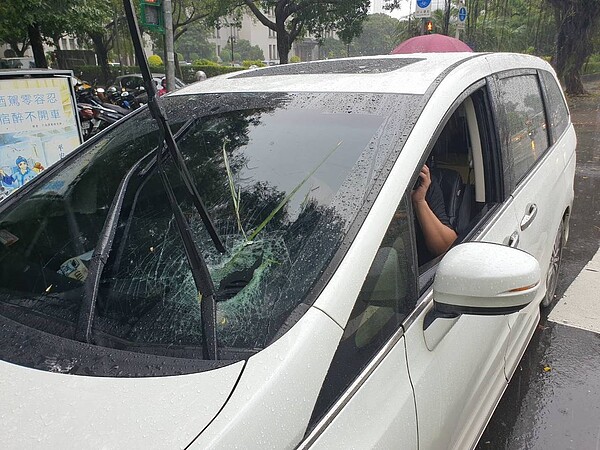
column 282, row 176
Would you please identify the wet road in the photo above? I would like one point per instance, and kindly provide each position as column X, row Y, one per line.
column 553, row 400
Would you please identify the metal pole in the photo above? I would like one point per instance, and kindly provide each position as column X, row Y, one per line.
column 170, row 55
column 231, row 39
column 116, row 28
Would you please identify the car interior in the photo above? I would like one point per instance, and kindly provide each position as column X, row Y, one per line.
column 457, row 164
column 451, row 167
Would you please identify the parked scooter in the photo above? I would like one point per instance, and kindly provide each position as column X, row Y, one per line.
column 124, row 98
column 92, row 97
column 95, row 113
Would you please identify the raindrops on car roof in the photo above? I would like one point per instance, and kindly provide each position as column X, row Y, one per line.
column 350, row 66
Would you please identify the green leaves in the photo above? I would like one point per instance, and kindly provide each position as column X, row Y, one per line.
column 294, row 17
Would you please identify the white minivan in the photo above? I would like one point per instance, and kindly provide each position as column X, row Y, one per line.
column 306, row 307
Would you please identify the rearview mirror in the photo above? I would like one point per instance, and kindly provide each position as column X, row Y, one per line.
column 485, row 279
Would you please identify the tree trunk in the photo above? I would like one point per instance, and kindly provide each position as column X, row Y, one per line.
column 178, row 73
column 59, row 56
column 446, row 18
column 101, row 50
column 283, row 43
column 37, row 46
column 536, row 45
column 578, row 20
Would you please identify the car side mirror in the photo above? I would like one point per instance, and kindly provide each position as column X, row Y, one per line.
column 483, row 278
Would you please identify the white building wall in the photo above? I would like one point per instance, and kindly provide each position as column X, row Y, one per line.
column 377, row 6
column 257, row 34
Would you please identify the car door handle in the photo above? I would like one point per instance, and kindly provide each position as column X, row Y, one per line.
column 529, row 216
column 513, row 239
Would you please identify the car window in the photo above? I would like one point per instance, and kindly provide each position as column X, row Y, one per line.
column 523, row 130
column 283, row 176
column 386, row 297
column 464, row 180
column 558, row 114
column 132, row 82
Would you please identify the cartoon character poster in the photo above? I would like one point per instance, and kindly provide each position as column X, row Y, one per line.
column 38, row 126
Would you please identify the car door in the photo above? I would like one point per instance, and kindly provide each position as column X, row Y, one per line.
column 536, row 178
column 456, row 364
column 366, row 400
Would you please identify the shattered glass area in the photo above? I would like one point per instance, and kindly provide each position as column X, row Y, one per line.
column 283, row 177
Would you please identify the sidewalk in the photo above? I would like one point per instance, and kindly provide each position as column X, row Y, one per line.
column 580, row 305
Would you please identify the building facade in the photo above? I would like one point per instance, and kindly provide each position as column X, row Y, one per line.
column 250, row 29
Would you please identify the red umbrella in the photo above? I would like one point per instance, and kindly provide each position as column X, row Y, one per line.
column 431, row 43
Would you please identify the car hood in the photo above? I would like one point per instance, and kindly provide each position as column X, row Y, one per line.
column 54, row 410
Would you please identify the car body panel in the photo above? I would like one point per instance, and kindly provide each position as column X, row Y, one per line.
column 453, row 414
column 381, row 414
column 451, row 397
column 549, row 185
column 274, row 398
column 55, row 410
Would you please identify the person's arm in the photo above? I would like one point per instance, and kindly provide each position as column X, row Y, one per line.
column 438, row 236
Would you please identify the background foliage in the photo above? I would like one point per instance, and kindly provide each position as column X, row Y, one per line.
column 563, row 31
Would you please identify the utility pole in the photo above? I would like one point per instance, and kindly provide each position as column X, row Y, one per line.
column 169, row 53
column 116, row 28
column 462, row 17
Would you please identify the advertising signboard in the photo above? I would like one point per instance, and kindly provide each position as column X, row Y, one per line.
column 38, row 124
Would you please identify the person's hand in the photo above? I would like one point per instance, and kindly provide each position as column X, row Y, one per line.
column 418, row 195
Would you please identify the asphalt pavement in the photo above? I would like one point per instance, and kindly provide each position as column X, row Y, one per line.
column 553, row 399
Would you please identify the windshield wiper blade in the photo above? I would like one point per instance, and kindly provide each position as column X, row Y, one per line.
column 156, row 110
column 100, row 257
column 200, row 272
column 107, row 235
column 184, row 129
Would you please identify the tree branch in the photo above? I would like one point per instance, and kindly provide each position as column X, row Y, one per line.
column 259, row 15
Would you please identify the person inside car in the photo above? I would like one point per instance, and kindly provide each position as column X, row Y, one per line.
column 435, row 235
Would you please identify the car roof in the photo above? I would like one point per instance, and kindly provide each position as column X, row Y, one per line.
column 408, row 73
column 139, row 75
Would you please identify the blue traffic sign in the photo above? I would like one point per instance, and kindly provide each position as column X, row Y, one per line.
column 423, row 3
column 462, row 14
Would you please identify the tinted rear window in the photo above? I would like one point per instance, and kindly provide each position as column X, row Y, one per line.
column 558, row 114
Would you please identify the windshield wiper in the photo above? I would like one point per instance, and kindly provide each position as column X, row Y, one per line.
column 100, row 257
column 200, row 272
column 107, row 235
